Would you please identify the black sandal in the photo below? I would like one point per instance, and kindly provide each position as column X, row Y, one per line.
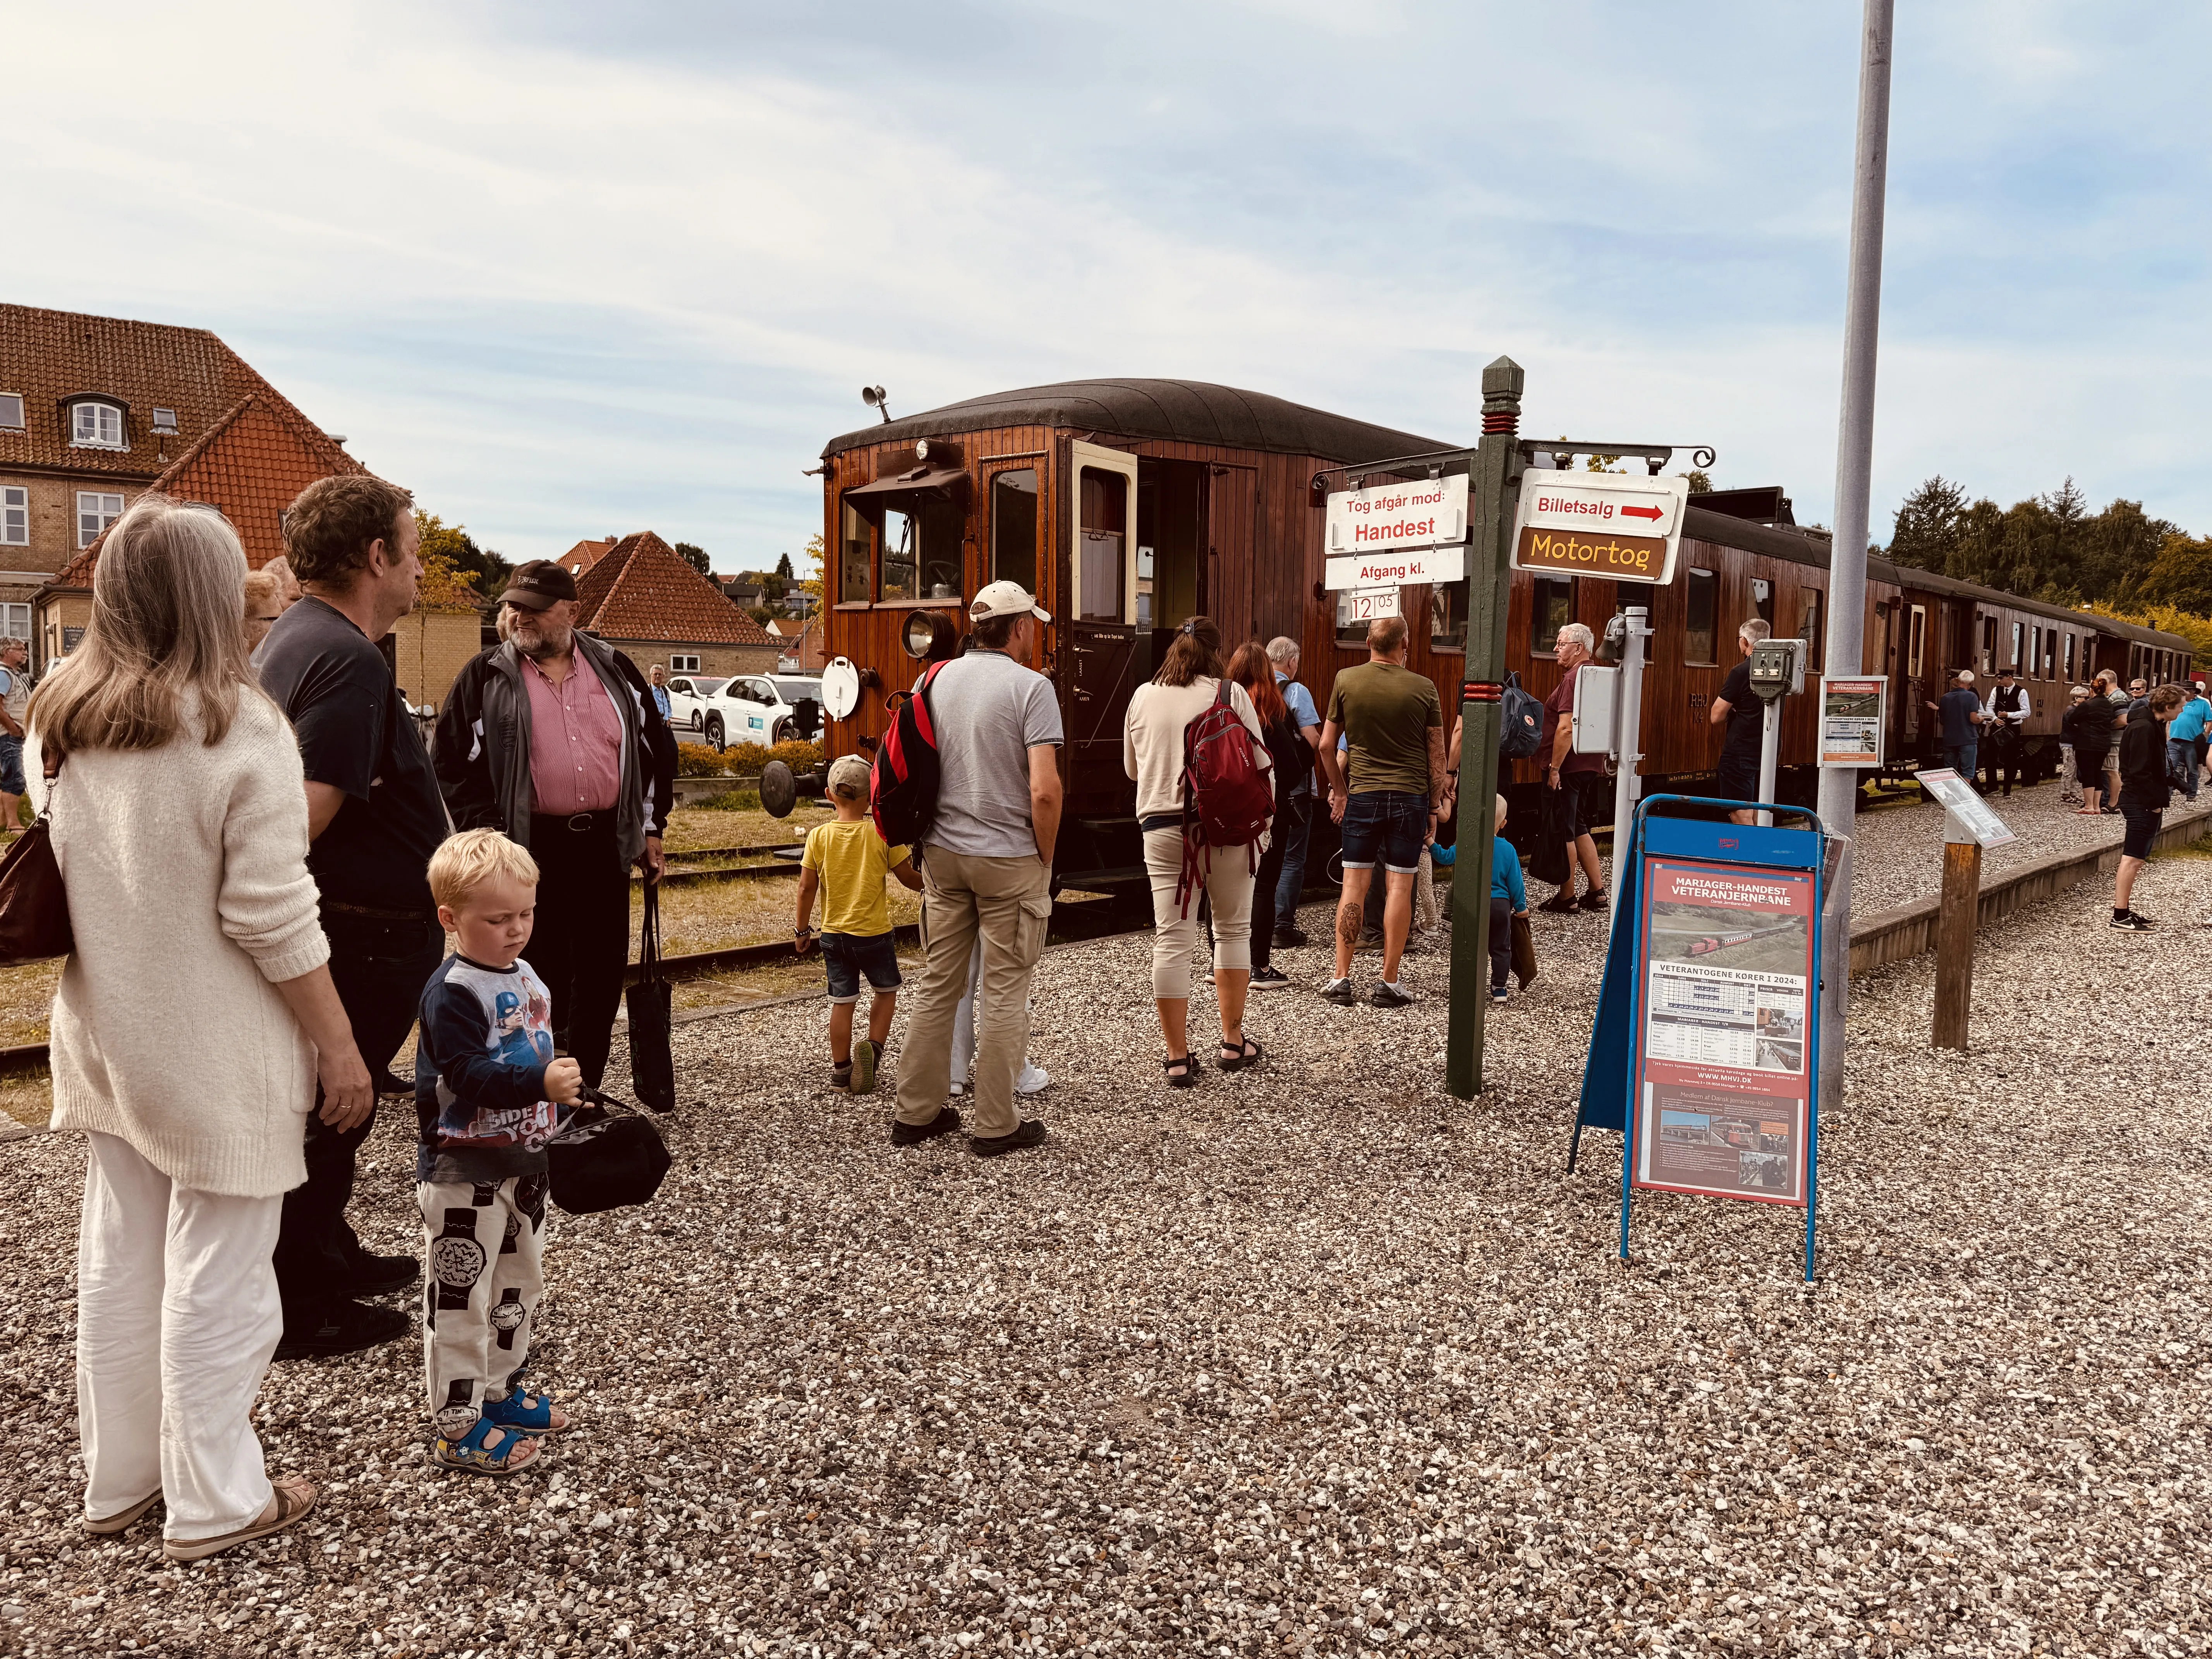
column 1189, row 1078
column 1241, row 1056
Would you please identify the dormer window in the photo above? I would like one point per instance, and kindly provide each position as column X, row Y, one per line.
column 12, row 412
column 165, row 421
column 96, row 426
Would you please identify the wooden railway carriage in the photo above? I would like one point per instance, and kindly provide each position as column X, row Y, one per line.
column 1126, row 506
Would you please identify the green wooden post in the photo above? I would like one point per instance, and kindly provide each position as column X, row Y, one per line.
column 1496, row 481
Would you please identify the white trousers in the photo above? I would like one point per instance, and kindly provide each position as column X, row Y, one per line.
column 176, row 1317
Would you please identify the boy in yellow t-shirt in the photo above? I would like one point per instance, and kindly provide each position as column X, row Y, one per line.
column 847, row 860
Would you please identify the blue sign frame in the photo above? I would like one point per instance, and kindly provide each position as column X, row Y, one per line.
column 1609, row 1079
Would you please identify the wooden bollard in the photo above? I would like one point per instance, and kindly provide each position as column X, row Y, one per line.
column 1955, row 933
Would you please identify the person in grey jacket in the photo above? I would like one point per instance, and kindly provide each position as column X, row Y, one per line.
column 554, row 737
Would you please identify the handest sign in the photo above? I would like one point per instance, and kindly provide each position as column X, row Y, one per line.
column 1386, row 517
column 1608, row 525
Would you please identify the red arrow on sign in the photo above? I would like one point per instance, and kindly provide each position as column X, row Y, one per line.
column 1651, row 512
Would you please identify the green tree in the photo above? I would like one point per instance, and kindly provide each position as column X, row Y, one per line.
column 1926, row 533
column 783, row 566
column 454, row 543
column 762, row 614
column 696, row 557
column 1700, row 482
column 2181, row 576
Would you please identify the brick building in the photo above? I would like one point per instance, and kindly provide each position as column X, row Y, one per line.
column 643, row 598
column 97, row 410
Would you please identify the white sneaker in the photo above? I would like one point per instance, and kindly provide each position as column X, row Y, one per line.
column 1032, row 1079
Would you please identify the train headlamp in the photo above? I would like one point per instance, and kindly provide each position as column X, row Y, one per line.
column 929, row 636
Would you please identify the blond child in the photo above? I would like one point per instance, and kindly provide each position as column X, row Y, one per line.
column 488, row 1095
column 1508, row 899
column 846, row 861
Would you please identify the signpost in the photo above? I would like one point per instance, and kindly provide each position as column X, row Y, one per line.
column 1854, row 715
column 1705, row 1052
column 1969, row 825
column 1609, row 525
column 1382, row 518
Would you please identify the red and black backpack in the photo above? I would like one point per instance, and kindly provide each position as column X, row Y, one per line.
column 902, row 785
column 1226, row 798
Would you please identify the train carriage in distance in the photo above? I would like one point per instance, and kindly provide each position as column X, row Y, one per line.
column 1129, row 505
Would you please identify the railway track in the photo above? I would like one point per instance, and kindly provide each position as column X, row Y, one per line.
column 1092, row 919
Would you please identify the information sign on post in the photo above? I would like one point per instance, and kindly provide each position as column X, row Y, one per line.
column 1965, row 803
column 1853, row 714
column 1609, row 525
column 1384, row 518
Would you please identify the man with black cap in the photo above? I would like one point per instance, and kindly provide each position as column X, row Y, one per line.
column 2008, row 710
column 555, row 737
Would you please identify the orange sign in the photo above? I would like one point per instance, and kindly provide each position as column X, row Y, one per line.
column 1584, row 553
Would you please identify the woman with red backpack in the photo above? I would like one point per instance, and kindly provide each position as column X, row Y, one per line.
column 1194, row 745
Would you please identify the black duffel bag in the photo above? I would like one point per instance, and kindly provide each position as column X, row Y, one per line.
column 607, row 1158
column 650, row 1002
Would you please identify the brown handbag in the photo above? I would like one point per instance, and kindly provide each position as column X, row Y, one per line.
column 34, row 918
column 1524, row 951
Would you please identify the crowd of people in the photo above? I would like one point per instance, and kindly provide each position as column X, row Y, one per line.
column 241, row 801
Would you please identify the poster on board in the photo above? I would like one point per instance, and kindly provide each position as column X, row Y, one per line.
column 1853, row 713
column 1722, row 1055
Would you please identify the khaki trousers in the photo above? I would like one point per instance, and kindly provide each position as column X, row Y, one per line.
column 1008, row 903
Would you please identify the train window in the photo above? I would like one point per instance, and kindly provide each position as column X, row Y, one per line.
column 1916, row 643
column 1014, row 528
column 922, row 550
column 1551, row 609
column 1988, row 645
column 856, row 578
column 2069, row 658
column 1448, row 615
column 1762, row 599
column 2019, row 659
column 1702, row 592
column 1809, row 624
column 1101, row 569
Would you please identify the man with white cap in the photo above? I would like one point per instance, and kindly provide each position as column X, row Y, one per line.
column 986, row 870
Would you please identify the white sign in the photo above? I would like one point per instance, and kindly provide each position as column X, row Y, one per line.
column 1365, row 605
column 1420, row 564
column 1967, row 806
column 1613, row 526
column 1386, row 516
column 1853, row 712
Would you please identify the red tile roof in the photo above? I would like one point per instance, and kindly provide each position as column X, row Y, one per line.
column 586, row 554
column 49, row 357
column 251, row 464
column 643, row 589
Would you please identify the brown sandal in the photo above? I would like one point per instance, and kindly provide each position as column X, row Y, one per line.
column 123, row 1520
column 293, row 1495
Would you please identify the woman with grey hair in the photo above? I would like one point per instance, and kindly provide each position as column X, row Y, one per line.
column 194, row 1015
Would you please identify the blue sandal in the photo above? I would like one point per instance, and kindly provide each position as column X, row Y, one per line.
column 470, row 1455
column 533, row 1414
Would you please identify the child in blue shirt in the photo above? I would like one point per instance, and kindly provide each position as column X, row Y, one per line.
column 1508, row 899
column 488, row 1095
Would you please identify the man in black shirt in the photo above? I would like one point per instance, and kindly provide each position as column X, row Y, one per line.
column 374, row 816
column 1745, row 717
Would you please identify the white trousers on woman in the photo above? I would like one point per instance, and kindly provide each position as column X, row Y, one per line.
column 1174, row 935
column 176, row 1317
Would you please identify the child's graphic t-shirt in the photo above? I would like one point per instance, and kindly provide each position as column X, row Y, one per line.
column 479, row 1074
column 852, row 861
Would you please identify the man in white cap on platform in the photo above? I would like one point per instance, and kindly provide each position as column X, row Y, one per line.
column 986, row 870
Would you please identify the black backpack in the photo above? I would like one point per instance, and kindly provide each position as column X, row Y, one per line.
column 904, row 783
column 1520, row 721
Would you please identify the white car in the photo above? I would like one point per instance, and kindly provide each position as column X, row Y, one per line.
column 691, row 698
column 750, row 708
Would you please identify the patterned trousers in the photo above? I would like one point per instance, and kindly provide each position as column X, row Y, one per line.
column 484, row 1247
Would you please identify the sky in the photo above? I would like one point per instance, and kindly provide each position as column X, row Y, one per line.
column 565, row 270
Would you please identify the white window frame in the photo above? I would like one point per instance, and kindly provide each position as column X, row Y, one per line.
column 15, row 425
column 102, row 497
column 99, row 440
column 682, row 662
column 15, row 622
column 14, row 516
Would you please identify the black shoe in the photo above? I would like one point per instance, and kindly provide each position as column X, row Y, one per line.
column 1031, row 1133
column 912, row 1134
column 347, row 1327
column 1340, row 991
column 380, row 1275
column 1594, row 900
column 2129, row 923
column 1270, row 978
column 1289, row 938
column 1561, row 903
column 1386, row 997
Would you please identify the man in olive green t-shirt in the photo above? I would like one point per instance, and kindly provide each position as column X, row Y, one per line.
column 1392, row 724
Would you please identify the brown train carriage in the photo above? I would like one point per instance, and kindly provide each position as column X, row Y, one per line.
column 1128, row 506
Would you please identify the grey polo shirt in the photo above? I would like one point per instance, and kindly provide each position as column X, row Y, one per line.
column 989, row 713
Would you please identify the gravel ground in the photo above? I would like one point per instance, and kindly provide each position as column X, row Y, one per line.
column 1312, row 1359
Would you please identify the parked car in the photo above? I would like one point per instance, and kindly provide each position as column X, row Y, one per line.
column 760, row 708
column 692, row 699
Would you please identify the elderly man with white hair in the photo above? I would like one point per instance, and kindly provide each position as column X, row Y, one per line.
column 1575, row 795
column 1960, row 711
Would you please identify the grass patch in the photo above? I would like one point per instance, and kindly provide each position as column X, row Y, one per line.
column 735, row 820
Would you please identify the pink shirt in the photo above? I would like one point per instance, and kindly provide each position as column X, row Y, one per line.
column 575, row 741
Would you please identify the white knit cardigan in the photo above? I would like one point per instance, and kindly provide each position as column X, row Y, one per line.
column 186, row 870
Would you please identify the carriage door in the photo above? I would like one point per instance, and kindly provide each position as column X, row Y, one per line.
column 1234, row 598
column 1916, row 668
column 1100, row 628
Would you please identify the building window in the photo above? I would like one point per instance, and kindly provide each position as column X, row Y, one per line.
column 94, row 513
column 12, row 412
column 855, row 580
column 165, row 420
column 1702, row 595
column 15, row 622
column 1551, row 608
column 1014, row 528
column 1809, row 628
column 96, row 426
column 682, row 663
column 15, row 517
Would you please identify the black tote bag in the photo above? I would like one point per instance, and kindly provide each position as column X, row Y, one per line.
column 652, row 1066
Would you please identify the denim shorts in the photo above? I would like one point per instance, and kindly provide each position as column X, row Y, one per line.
column 1390, row 826
column 849, row 957
column 2142, row 824
column 11, row 767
